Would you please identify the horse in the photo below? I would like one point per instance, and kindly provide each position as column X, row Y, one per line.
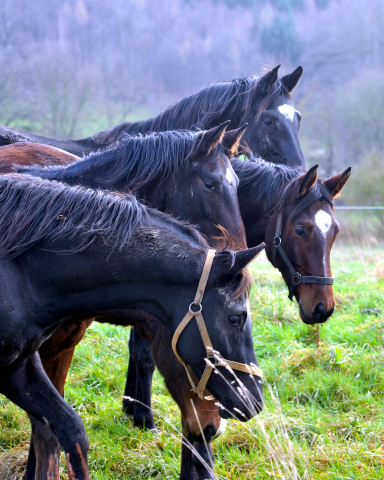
column 72, row 253
column 186, row 173
column 25, row 153
column 183, row 172
column 262, row 102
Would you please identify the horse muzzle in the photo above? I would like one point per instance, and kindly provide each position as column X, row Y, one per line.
column 320, row 314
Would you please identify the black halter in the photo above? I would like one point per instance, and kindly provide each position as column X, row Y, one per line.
column 297, row 278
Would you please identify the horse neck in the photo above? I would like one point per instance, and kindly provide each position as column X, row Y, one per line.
column 156, row 263
column 259, row 210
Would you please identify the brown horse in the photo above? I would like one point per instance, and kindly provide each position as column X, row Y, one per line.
column 24, row 154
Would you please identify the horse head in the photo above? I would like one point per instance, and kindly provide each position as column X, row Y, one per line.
column 274, row 123
column 300, row 238
column 227, row 334
column 205, row 192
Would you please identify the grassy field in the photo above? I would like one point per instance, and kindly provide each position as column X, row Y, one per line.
column 324, row 390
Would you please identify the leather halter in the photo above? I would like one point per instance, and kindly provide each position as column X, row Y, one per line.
column 213, row 360
column 297, row 278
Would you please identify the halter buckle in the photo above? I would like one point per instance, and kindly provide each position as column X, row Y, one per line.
column 296, row 278
column 277, row 241
column 199, row 305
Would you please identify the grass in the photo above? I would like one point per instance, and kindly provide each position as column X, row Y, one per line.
column 324, row 391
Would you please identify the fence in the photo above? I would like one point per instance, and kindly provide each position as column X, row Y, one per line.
column 361, row 224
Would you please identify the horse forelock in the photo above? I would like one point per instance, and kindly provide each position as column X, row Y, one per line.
column 277, row 89
column 317, row 193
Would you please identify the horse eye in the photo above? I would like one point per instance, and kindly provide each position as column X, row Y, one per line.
column 300, row 232
column 267, row 121
column 235, row 320
column 210, row 185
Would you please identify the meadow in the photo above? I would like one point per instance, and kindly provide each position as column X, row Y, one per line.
column 324, row 391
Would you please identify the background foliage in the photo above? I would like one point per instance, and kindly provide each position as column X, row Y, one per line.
column 71, row 68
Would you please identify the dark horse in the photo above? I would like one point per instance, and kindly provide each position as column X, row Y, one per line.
column 69, row 253
column 186, row 173
column 262, row 102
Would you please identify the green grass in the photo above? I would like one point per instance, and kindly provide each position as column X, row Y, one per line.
column 324, row 391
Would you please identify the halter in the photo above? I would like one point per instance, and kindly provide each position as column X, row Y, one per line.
column 297, row 278
column 212, row 359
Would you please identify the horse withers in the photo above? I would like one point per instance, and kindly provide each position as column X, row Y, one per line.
column 69, row 252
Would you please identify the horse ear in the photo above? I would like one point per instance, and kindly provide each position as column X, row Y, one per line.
column 290, row 81
column 232, row 139
column 244, row 258
column 229, row 263
column 267, row 80
column 336, row 184
column 211, row 138
column 308, row 180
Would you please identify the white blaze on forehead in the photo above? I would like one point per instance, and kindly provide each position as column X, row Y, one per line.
column 230, row 174
column 288, row 111
column 324, row 221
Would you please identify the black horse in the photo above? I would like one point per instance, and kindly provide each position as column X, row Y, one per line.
column 262, row 102
column 69, row 252
column 186, row 173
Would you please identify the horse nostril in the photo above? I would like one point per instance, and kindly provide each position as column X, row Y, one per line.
column 319, row 311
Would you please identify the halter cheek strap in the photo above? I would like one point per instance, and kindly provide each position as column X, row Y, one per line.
column 297, row 278
column 214, row 361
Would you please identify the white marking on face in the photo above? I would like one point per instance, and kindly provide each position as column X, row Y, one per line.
column 324, row 221
column 230, row 176
column 288, row 111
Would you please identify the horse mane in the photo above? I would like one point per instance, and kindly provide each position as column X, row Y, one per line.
column 134, row 160
column 203, row 109
column 32, row 209
column 263, row 182
column 275, row 186
column 318, row 192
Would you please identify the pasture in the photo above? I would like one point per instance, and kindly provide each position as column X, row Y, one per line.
column 323, row 388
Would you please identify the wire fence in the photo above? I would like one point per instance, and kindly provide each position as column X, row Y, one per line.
column 361, row 224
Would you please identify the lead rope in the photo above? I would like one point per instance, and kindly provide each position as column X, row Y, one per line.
column 210, row 352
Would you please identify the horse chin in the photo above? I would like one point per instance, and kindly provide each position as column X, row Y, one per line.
column 210, row 433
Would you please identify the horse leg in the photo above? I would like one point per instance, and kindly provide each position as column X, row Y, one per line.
column 29, row 387
column 56, row 355
column 197, row 462
column 139, row 381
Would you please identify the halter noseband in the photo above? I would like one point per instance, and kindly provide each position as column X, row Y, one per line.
column 212, row 356
column 297, row 278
